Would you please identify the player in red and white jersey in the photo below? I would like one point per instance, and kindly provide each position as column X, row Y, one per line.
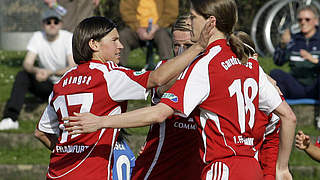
column 174, row 141
column 228, row 94
column 168, row 145
column 97, row 85
column 268, row 146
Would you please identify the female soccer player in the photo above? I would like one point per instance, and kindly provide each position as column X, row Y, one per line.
column 98, row 85
column 268, row 146
column 174, row 142
column 227, row 89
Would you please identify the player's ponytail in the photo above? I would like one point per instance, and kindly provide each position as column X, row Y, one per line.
column 238, row 48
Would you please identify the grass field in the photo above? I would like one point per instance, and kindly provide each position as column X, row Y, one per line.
column 10, row 64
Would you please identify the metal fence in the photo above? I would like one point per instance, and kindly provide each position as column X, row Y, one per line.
column 18, row 19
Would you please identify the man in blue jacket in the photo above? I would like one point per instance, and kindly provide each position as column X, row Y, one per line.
column 302, row 50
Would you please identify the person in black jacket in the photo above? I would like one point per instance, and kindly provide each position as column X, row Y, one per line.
column 302, row 50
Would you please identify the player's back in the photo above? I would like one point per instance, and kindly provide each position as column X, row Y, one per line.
column 227, row 114
column 83, row 89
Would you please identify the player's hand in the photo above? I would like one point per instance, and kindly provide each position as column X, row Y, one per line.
column 82, row 123
column 141, row 149
column 283, row 174
column 206, row 33
column 302, row 141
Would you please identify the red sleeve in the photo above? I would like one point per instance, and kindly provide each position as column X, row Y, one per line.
column 318, row 142
column 269, row 154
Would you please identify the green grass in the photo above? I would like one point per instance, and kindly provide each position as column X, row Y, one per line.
column 267, row 64
column 10, row 64
column 24, row 155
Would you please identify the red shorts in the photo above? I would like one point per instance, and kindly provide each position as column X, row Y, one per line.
column 233, row 168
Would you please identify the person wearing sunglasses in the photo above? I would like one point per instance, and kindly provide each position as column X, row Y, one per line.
column 302, row 51
column 52, row 49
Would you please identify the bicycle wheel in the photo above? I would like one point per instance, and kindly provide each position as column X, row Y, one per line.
column 281, row 17
column 257, row 25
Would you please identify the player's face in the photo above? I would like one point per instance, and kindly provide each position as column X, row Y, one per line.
column 307, row 22
column 197, row 23
column 181, row 41
column 110, row 47
column 52, row 26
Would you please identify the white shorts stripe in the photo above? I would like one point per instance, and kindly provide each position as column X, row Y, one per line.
column 220, row 172
column 225, row 174
column 162, row 135
column 209, row 173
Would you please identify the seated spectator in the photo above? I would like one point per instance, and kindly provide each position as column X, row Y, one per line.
column 53, row 48
column 303, row 142
column 136, row 15
column 301, row 50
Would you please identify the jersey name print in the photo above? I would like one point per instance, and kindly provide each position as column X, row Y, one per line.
column 228, row 95
column 99, row 88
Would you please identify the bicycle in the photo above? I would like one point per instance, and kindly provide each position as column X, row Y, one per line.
column 273, row 19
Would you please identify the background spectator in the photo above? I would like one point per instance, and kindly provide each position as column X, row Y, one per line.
column 77, row 10
column 303, row 142
column 302, row 50
column 136, row 15
column 53, row 48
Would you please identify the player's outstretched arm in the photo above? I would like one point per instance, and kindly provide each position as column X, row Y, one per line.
column 176, row 65
column 287, row 130
column 87, row 122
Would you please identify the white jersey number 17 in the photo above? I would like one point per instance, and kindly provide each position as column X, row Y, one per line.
column 83, row 99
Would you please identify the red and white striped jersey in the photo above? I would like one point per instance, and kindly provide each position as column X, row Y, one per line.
column 170, row 147
column 99, row 88
column 228, row 94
